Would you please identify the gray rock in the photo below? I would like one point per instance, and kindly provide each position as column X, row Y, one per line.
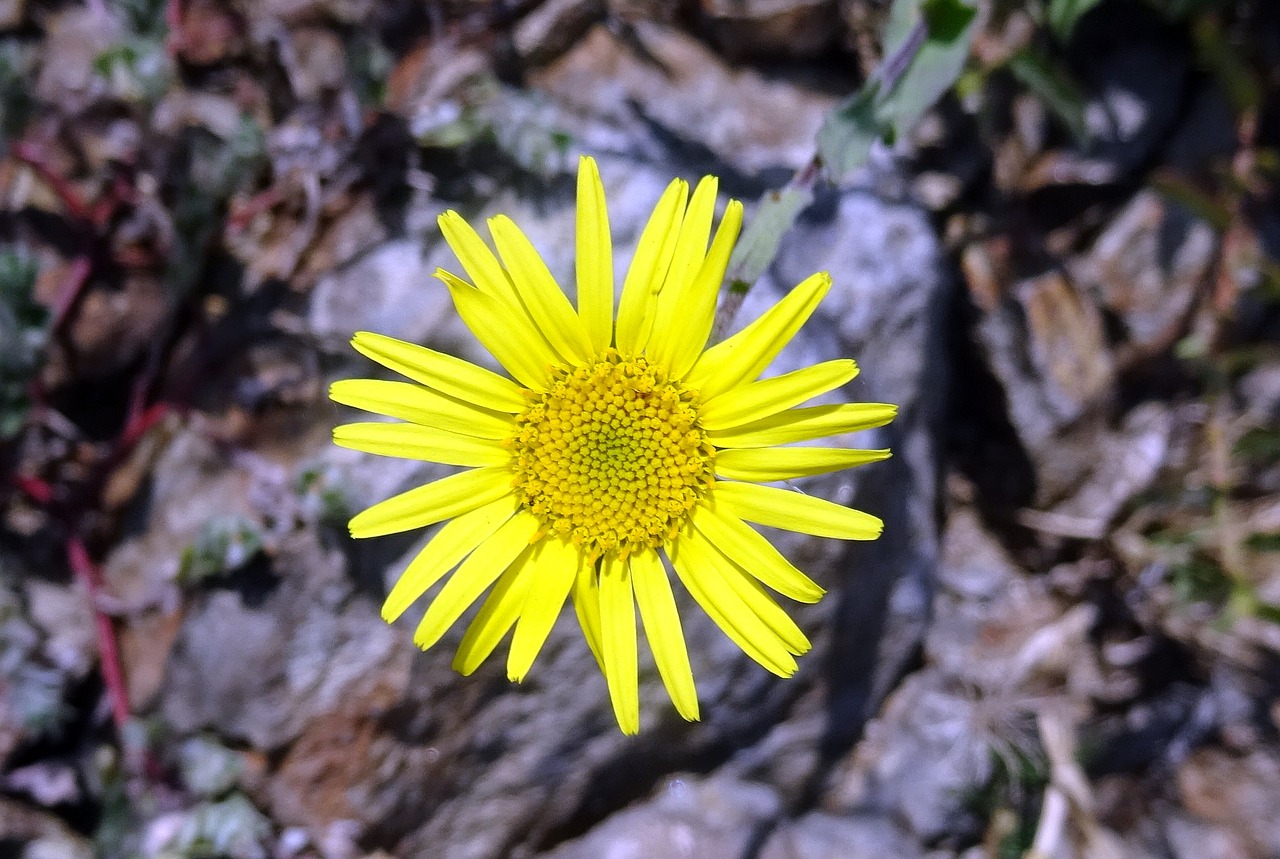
column 1047, row 346
column 310, row 645
column 974, row 565
column 825, row 836
column 921, row 754
column 553, row 28
column 39, row 834
column 1235, row 793
column 769, row 28
column 1189, row 838
column 690, row 816
column 389, row 290
column 615, row 95
column 1147, row 267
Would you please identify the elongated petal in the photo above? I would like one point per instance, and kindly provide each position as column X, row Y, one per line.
column 699, row 567
column 555, row 566
column 649, row 269
column 446, row 549
column 434, row 502
column 763, row 606
column 411, row 441
column 805, row 425
column 480, row 570
column 422, row 406
column 755, row 601
column 744, row 356
column 662, row 626
column 496, row 616
column 795, row 511
column 618, row 640
column 546, row 301
column 594, row 260
column 441, row 372
column 747, row 548
column 760, row 399
column 586, row 604
column 673, row 303
column 700, row 310
column 478, row 261
column 524, row 352
column 765, row 465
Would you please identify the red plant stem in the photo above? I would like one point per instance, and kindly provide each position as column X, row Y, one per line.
column 173, row 22
column 28, row 154
column 104, row 209
column 240, row 215
column 142, row 421
column 37, row 489
column 72, row 287
column 90, row 578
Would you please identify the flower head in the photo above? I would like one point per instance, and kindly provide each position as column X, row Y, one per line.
column 616, row 441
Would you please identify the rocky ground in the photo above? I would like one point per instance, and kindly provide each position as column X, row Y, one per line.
column 1067, row 643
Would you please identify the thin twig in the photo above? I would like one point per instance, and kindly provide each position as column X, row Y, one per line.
column 72, row 288
column 27, row 153
column 90, row 578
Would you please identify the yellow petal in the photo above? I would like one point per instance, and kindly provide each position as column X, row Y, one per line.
column 756, row 400
column 699, row 567
column 673, row 303
column 555, row 566
column 451, row 544
column 755, row 601
column 745, row 546
column 594, row 260
column 662, row 626
column 441, row 372
column 700, row 309
column 523, row 351
column 618, row 640
column 496, row 616
column 480, row 264
column 805, row 424
column 765, row 465
column 744, row 356
column 411, row 441
column 586, row 604
column 433, row 502
column 794, row 511
column 763, row 606
column 544, row 298
column 481, row 569
column 649, row 269
column 422, row 406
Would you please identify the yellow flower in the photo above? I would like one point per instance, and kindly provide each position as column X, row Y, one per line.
column 612, row 442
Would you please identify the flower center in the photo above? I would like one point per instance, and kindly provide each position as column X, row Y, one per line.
column 611, row 455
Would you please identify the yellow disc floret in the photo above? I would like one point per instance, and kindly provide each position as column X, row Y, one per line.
column 611, row 456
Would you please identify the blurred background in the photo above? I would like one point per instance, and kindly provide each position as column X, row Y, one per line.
column 1053, row 228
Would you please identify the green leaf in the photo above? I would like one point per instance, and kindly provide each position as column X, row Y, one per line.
column 24, row 330
column 1065, row 14
column 759, row 243
column 926, row 45
column 947, row 19
column 938, row 62
column 849, row 132
column 1053, row 85
column 224, row 544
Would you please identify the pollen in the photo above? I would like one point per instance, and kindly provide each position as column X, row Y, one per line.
column 611, row 456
